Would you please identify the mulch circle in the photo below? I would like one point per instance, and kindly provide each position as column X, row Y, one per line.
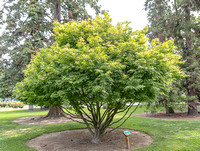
column 37, row 120
column 79, row 140
column 178, row 115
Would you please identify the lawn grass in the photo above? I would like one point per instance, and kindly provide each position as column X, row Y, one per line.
column 168, row 135
column 13, row 136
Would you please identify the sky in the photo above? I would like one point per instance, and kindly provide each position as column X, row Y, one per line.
column 127, row 10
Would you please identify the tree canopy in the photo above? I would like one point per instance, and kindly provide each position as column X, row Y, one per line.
column 92, row 64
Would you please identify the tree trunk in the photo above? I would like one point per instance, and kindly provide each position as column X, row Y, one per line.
column 55, row 112
column 57, row 11
column 96, row 139
column 192, row 104
column 169, row 110
column 192, row 108
column 97, row 136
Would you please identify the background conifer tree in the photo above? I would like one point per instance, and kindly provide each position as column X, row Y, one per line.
column 178, row 19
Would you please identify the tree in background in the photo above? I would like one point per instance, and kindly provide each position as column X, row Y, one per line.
column 28, row 27
column 175, row 18
column 92, row 64
column 197, row 23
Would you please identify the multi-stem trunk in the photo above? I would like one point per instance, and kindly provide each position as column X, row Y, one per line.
column 96, row 138
column 98, row 119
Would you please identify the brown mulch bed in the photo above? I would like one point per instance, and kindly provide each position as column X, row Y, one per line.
column 178, row 115
column 79, row 140
column 36, row 120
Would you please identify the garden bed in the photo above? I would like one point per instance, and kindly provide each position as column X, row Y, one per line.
column 35, row 120
column 79, row 140
column 178, row 115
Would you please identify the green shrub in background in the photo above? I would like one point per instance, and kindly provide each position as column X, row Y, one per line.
column 9, row 104
column 12, row 104
column 3, row 104
column 17, row 104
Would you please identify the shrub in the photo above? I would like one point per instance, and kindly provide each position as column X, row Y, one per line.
column 9, row 104
column 3, row 104
column 16, row 104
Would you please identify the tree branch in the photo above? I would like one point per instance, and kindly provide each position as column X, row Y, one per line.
column 124, row 120
column 128, row 108
column 86, row 122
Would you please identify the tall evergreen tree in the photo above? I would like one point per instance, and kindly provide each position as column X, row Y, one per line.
column 28, row 27
column 175, row 18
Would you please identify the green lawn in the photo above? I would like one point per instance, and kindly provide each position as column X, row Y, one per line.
column 168, row 135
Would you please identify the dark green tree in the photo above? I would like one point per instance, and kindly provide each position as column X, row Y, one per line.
column 176, row 19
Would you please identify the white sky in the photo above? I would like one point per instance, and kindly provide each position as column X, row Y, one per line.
column 130, row 10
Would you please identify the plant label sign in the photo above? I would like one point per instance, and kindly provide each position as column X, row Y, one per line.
column 127, row 133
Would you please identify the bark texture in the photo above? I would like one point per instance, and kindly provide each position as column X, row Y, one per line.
column 192, row 108
column 192, row 104
column 57, row 11
column 55, row 112
column 169, row 110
